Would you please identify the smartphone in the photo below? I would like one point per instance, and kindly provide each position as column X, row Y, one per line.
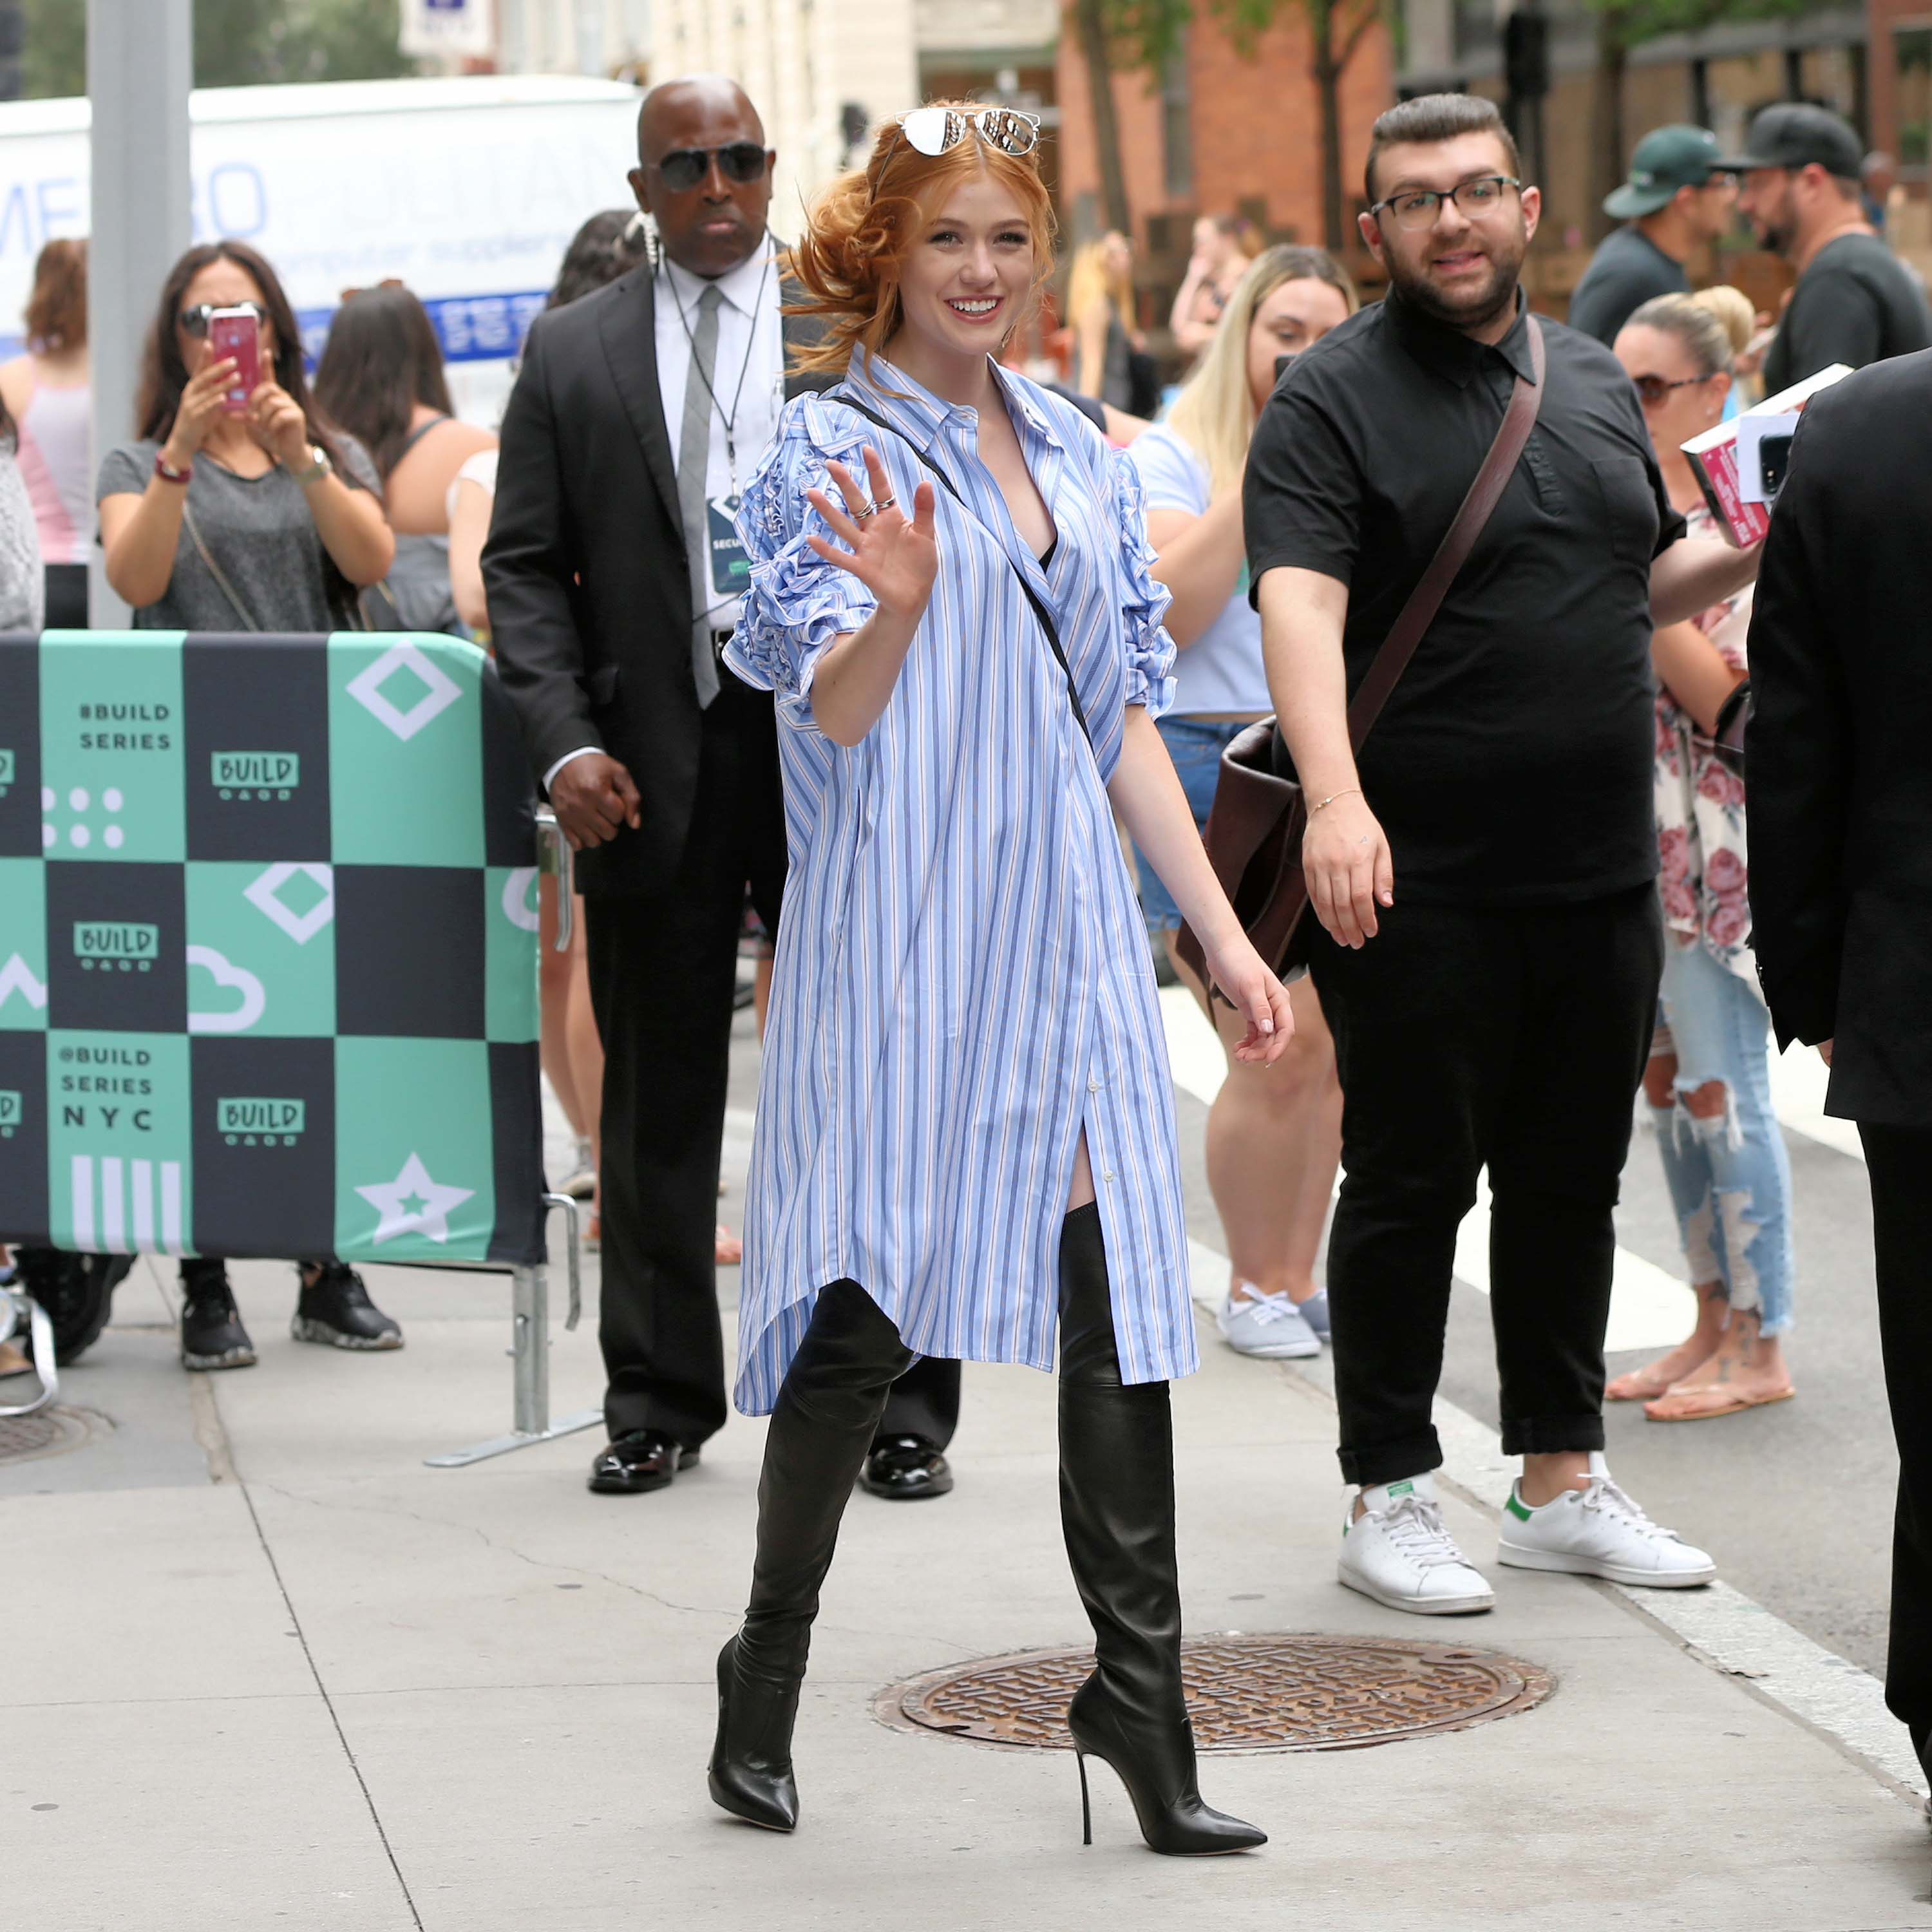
column 1774, row 460
column 236, row 334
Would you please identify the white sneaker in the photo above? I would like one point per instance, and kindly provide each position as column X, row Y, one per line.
column 1599, row 1532
column 1399, row 1551
column 1268, row 1325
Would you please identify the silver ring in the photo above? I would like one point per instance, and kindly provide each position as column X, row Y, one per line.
column 870, row 510
column 884, row 503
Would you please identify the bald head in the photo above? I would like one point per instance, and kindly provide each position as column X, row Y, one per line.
column 704, row 173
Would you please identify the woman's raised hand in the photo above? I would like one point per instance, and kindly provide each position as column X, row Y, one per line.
column 894, row 556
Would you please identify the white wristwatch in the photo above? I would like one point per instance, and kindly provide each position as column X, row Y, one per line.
column 318, row 467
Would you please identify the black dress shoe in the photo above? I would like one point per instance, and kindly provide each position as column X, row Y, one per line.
column 638, row 1460
column 903, row 1469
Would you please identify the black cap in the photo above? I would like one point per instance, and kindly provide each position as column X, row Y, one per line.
column 1794, row 134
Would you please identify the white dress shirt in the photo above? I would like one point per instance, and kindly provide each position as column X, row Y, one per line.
column 748, row 324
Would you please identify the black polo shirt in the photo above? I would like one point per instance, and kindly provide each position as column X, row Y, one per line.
column 1512, row 764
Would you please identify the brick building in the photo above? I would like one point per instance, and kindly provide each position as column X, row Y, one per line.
column 1224, row 131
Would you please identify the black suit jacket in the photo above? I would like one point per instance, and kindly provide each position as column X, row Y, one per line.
column 589, row 584
column 1839, row 751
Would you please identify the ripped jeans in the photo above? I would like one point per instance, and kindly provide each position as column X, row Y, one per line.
column 1729, row 1176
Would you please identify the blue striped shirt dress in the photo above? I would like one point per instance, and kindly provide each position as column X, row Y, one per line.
column 962, row 981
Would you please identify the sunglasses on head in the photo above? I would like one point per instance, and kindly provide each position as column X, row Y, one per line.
column 683, row 168
column 194, row 321
column 932, row 130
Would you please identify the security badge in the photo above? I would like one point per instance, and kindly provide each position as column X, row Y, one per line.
column 730, row 568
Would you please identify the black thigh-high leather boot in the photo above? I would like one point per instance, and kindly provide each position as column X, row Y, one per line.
column 822, row 1425
column 1117, row 1509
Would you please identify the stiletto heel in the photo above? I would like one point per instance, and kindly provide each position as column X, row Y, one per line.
column 1086, row 1808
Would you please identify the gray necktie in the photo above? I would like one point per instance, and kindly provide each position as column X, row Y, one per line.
column 694, row 459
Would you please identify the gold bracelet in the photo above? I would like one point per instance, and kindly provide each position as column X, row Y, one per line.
column 1354, row 791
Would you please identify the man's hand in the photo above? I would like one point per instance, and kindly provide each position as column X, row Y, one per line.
column 594, row 799
column 1344, row 854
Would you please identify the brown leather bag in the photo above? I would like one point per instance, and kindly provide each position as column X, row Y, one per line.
column 1255, row 827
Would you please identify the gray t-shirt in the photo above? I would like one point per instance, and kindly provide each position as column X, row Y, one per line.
column 258, row 531
column 1624, row 275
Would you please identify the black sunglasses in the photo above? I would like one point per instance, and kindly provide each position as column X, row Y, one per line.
column 684, row 168
column 1653, row 389
column 194, row 321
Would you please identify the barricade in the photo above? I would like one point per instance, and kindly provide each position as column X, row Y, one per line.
column 268, row 960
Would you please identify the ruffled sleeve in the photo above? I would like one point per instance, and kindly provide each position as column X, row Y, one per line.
column 797, row 604
column 1149, row 650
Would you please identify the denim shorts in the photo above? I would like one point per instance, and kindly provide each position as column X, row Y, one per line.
column 1195, row 746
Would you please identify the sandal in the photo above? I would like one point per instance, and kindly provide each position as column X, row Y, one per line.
column 1707, row 1403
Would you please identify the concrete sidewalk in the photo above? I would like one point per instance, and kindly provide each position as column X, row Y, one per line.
column 265, row 1669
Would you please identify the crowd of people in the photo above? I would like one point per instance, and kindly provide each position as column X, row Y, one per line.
column 814, row 608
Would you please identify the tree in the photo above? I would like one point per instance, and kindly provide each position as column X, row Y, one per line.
column 236, row 43
column 1146, row 33
column 1622, row 25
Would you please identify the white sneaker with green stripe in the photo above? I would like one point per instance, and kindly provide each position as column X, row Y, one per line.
column 1599, row 1532
column 1399, row 1551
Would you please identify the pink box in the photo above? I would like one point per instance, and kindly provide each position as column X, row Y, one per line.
column 1714, row 460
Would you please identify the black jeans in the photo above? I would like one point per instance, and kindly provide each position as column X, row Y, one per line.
column 1899, row 1161
column 1512, row 1038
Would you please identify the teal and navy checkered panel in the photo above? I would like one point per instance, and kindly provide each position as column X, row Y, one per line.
column 268, row 938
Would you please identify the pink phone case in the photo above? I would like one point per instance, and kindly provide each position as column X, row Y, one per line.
column 238, row 335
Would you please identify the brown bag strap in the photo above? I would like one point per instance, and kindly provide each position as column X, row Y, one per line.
column 1426, row 599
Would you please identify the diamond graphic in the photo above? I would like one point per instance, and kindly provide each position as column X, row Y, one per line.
column 440, row 690
column 413, row 1203
column 263, row 894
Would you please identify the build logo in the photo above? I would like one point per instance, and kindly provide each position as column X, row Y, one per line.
column 13, row 1112
column 6, row 771
column 255, row 1122
column 106, row 944
column 261, row 775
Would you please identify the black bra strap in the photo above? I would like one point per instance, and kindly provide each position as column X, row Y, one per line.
column 1033, row 597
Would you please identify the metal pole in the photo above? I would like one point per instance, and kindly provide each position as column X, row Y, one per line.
column 140, row 65
column 530, row 1305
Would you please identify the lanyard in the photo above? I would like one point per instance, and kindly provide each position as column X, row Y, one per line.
column 729, row 418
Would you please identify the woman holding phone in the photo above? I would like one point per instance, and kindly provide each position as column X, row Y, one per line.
column 965, row 1142
column 238, row 508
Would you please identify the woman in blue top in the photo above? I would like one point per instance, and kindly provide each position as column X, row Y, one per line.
column 1274, row 1135
column 965, row 1133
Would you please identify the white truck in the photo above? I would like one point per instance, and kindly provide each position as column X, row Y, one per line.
column 467, row 189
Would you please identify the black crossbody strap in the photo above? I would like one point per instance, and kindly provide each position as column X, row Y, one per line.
column 1033, row 597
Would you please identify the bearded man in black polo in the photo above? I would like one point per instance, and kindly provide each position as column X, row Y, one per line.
column 1489, row 940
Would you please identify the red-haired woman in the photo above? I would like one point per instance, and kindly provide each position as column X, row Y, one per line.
column 965, row 1133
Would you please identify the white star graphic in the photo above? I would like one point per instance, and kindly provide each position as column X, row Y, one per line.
column 412, row 1204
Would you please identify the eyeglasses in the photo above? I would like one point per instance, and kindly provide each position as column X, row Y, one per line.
column 1417, row 208
column 194, row 321
column 1651, row 390
column 684, row 168
column 931, row 130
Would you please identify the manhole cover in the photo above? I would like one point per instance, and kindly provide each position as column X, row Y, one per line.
column 1245, row 1693
column 47, row 1431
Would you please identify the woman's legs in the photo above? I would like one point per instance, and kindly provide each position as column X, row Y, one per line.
column 1116, row 1512
column 1274, row 1140
column 1724, row 1083
column 827, row 1412
column 1687, row 1173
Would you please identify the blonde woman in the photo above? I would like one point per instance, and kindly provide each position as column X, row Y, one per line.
column 1100, row 307
column 1274, row 1133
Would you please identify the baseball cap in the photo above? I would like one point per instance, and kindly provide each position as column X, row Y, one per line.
column 1794, row 133
column 1667, row 159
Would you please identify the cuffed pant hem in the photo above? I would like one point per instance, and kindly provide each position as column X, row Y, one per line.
column 1389, row 1462
column 1552, row 1435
